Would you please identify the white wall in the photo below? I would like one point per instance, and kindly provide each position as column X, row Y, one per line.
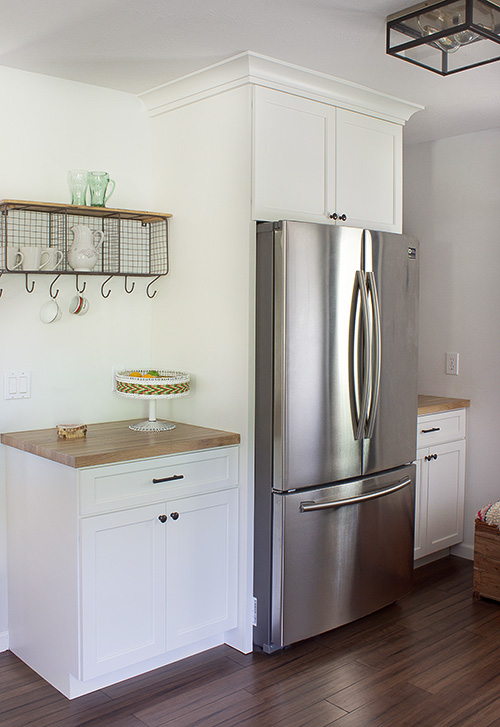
column 451, row 203
column 204, row 323
column 48, row 126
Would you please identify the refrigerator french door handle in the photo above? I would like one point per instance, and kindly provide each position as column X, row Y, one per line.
column 353, row 367
column 371, row 285
column 363, row 409
column 311, row 505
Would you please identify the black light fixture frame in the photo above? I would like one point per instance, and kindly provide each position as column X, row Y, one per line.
column 394, row 23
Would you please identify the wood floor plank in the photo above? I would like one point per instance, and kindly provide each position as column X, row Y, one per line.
column 213, row 713
column 384, row 707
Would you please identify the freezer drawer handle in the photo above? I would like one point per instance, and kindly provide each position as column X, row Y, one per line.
column 308, row 506
column 168, row 479
column 434, row 429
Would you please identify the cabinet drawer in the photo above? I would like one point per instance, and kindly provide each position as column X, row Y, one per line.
column 439, row 428
column 112, row 487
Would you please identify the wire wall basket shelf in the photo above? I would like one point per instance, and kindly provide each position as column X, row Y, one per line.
column 134, row 243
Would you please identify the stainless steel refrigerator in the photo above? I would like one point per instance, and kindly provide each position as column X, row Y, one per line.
column 336, row 417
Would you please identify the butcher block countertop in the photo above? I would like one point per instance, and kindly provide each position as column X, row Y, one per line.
column 433, row 404
column 115, row 442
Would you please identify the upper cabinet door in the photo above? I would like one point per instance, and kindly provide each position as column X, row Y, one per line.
column 294, row 138
column 369, row 171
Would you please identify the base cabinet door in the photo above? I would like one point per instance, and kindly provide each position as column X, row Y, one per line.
column 445, row 512
column 420, row 505
column 439, row 497
column 123, row 589
column 202, row 564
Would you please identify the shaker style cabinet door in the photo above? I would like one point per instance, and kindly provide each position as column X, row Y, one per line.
column 123, row 589
column 202, row 563
column 445, row 512
column 439, row 497
column 369, row 171
column 294, row 144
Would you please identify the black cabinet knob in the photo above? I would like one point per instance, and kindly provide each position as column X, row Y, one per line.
column 174, row 515
column 334, row 216
column 343, row 218
column 162, row 518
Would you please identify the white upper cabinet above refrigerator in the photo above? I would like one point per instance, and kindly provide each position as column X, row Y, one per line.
column 314, row 162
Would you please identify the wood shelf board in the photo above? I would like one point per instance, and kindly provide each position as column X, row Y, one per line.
column 433, row 404
column 112, row 442
column 81, row 211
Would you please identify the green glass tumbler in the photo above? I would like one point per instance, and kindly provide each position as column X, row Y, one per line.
column 78, row 183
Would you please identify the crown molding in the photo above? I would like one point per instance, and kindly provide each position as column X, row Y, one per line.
column 250, row 68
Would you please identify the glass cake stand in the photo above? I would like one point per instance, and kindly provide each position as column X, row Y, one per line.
column 167, row 385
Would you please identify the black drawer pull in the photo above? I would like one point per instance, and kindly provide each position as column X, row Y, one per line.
column 168, row 479
column 424, row 431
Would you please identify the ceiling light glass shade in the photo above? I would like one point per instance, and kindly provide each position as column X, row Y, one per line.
column 446, row 36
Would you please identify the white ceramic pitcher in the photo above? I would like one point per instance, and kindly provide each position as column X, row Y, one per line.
column 83, row 252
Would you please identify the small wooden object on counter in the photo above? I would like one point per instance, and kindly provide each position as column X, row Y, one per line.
column 115, row 442
column 486, row 561
column 435, row 404
column 71, row 431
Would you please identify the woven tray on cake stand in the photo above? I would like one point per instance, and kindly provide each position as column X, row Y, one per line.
column 167, row 385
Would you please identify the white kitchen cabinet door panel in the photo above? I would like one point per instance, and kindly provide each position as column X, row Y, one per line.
column 420, row 507
column 446, row 495
column 123, row 589
column 201, row 567
column 369, row 171
column 294, row 139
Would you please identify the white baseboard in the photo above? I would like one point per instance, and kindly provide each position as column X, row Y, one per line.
column 463, row 551
column 4, row 640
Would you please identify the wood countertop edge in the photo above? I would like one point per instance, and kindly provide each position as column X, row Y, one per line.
column 428, row 404
column 195, row 439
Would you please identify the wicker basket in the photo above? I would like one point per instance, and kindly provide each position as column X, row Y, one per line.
column 486, row 561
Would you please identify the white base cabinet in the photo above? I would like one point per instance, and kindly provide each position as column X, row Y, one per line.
column 440, row 484
column 130, row 573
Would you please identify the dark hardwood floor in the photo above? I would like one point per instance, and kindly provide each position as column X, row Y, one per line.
column 431, row 660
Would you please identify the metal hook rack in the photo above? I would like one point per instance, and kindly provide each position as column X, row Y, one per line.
column 29, row 290
column 125, row 285
column 78, row 290
column 106, row 295
column 52, row 294
column 150, row 284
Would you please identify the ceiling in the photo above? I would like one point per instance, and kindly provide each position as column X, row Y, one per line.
column 135, row 45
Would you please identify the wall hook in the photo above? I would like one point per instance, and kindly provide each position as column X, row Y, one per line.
column 77, row 288
column 126, row 289
column 150, row 284
column 106, row 295
column 52, row 294
column 29, row 290
column 1, row 289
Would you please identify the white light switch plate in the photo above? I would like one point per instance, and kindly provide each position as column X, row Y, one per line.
column 17, row 384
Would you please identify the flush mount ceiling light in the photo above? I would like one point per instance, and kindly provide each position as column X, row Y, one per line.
column 446, row 36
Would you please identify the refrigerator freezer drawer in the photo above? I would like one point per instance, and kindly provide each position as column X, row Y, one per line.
column 346, row 551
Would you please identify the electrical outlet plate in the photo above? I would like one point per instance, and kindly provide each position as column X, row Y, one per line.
column 451, row 366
